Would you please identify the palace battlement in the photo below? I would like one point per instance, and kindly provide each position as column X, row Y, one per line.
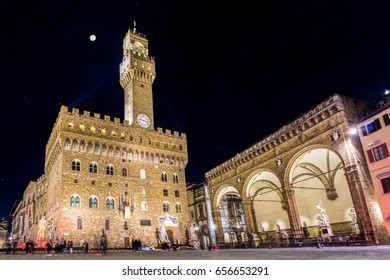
column 116, row 121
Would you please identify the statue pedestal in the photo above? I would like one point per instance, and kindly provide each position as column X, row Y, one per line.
column 195, row 243
column 325, row 231
column 255, row 243
column 355, row 228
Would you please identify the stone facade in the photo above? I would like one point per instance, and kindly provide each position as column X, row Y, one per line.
column 124, row 178
column 310, row 161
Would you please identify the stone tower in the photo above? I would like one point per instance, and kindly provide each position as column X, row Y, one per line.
column 137, row 73
column 126, row 178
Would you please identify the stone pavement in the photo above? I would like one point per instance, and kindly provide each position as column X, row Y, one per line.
column 380, row 252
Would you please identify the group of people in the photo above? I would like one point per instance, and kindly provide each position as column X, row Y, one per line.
column 63, row 247
column 137, row 243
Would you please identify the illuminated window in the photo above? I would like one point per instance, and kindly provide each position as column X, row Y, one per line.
column 371, row 127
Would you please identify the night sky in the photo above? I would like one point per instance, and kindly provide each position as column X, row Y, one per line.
column 227, row 74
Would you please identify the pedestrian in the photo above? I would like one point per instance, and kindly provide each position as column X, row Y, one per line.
column 9, row 245
column 318, row 243
column 14, row 245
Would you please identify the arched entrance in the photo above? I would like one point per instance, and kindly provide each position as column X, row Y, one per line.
column 265, row 191
column 233, row 229
column 170, row 236
column 317, row 177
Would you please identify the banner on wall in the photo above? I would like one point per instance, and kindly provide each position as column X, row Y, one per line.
column 168, row 221
column 127, row 212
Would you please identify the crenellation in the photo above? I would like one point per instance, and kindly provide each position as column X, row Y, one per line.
column 75, row 111
column 159, row 130
column 96, row 116
column 117, row 121
column 168, row 132
column 87, row 114
column 107, row 118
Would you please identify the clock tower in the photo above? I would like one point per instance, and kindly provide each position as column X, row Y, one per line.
column 137, row 73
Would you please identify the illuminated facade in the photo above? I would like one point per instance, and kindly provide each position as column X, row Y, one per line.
column 374, row 134
column 270, row 191
column 124, row 178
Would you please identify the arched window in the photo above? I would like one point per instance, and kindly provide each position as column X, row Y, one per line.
column 75, row 165
column 124, row 172
column 97, row 149
column 93, row 202
column 93, row 167
column 90, row 148
column 144, row 206
column 109, row 203
column 175, row 178
column 164, row 177
column 67, row 144
column 177, row 194
column 75, row 145
column 143, row 174
column 82, row 146
column 166, row 207
column 110, row 169
column 178, row 207
column 165, row 192
column 75, row 201
column 104, row 150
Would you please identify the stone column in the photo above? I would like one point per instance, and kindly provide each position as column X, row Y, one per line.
column 247, row 207
column 293, row 213
column 360, row 204
column 218, row 225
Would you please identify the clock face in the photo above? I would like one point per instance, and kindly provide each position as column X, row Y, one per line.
column 138, row 47
column 143, row 120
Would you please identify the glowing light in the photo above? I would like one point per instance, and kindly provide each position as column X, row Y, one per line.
column 92, row 37
column 353, row 130
column 387, row 91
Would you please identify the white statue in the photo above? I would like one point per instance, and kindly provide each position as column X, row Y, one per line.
column 352, row 213
column 163, row 235
column 276, row 227
column 193, row 233
column 42, row 228
column 321, row 217
column 255, row 236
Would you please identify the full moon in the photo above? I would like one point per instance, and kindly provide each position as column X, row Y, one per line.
column 92, row 38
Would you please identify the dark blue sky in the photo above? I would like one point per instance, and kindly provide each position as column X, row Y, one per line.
column 227, row 74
